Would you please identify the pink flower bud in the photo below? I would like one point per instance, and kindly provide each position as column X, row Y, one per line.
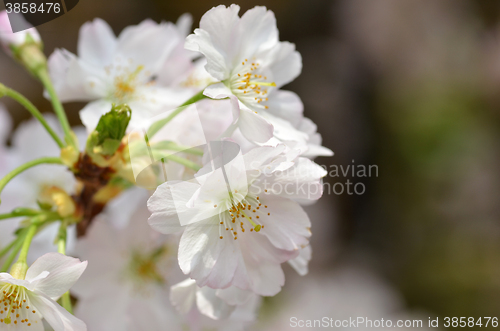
column 9, row 38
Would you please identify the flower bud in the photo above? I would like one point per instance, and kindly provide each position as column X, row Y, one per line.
column 10, row 40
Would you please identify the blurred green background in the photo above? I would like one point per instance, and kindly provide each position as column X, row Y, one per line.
column 411, row 86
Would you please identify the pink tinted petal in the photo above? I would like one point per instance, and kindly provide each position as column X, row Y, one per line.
column 96, row 43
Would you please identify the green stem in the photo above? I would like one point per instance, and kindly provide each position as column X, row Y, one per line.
column 16, row 246
column 185, row 162
column 44, row 160
column 61, row 248
column 35, row 112
column 44, row 77
column 7, row 248
column 19, row 213
column 169, row 145
column 155, row 127
column 23, row 255
column 61, row 238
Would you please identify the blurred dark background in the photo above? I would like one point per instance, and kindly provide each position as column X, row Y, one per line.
column 411, row 86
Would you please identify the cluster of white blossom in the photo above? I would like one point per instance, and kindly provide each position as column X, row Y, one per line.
column 185, row 196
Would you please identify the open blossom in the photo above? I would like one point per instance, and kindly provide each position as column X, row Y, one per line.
column 240, row 237
column 9, row 39
column 126, row 286
column 250, row 62
column 25, row 302
column 121, row 69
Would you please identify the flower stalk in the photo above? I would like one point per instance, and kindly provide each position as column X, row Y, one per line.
column 5, row 91
column 19, row 268
column 44, row 160
column 157, row 126
column 61, row 248
column 44, row 77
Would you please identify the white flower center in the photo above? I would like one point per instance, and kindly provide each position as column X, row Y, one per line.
column 146, row 268
column 126, row 83
column 125, row 80
column 249, row 82
column 235, row 215
column 15, row 307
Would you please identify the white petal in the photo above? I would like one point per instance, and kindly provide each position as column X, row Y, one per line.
column 247, row 311
column 183, row 295
column 217, row 39
column 258, row 26
column 7, row 278
column 212, row 306
column 234, row 296
column 260, row 156
column 287, row 226
column 287, row 105
column 287, row 63
column 58, row 317
column 216, row 64
column 257, row 248
column 254, row 127
column 267, row 279
column 222, row 274
column 178, row 68
column 165, row 210
column 217, row 91
column 64, row 272
column 96, row 42
column 284, row 130
column 302, row 181
column 184, row 24
column 74, row 79
column 301, row 262
column 150, row 101
column 148, row 43
column 199, row 249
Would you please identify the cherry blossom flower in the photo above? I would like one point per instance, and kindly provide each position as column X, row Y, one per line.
column 126, row 284
column 240, row 237
column 120, row 70
column 250, row 62
column 25, row 302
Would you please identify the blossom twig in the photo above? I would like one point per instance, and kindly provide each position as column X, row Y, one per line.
column 155, row 127
column 61, row 248
column 44, row 160
column 33, row 110
column 43, row 75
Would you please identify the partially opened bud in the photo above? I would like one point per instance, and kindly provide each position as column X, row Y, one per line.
column 11, row 40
